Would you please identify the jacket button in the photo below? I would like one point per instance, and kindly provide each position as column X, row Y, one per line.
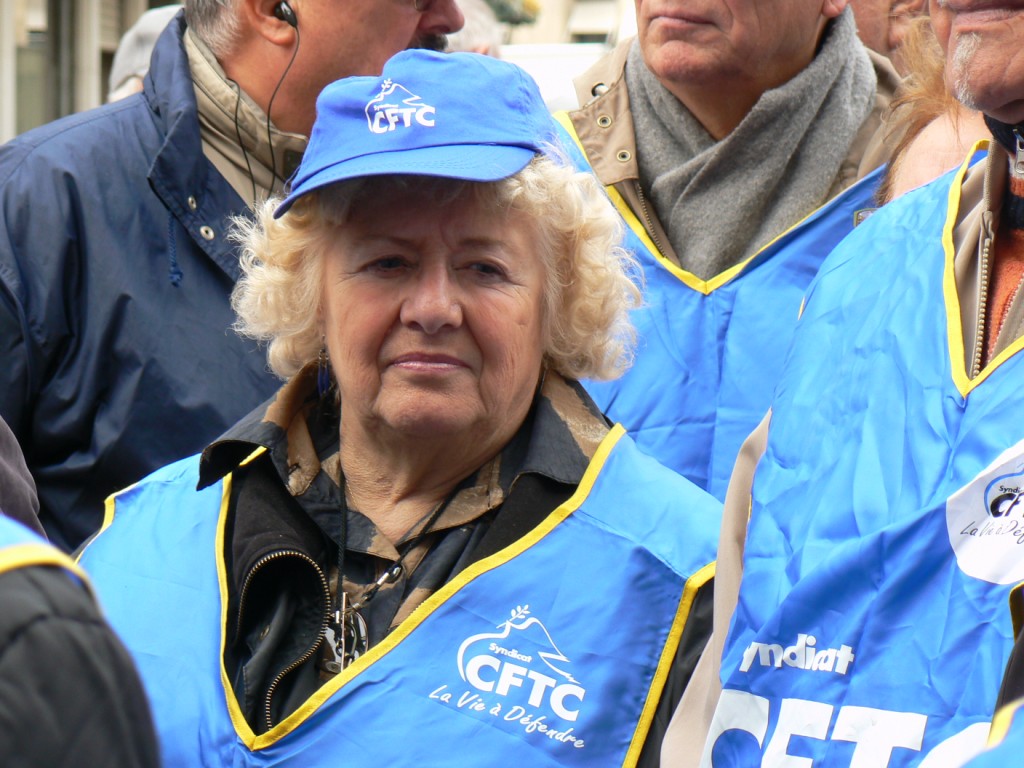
column 207, row 232
column 604, row 121
column 623, row 156
column 192, row 204
column 599, row 89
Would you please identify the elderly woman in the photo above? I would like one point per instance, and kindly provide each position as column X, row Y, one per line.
column 429, row 548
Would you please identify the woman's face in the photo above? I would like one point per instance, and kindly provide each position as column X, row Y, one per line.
column 433, row 317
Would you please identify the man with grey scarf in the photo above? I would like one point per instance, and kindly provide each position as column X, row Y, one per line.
column 720, row 127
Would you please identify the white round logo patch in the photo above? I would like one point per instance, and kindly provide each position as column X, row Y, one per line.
column 985, row 521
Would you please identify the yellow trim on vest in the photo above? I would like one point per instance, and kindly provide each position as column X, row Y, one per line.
column 954, row 318
column 1016, row 600
column 690, row 589
column 1002, row 721
column 245, row 733
column 998, row 360
column 425, row 609
column 108, row 513
column 251, row 458
column 688, row 279
column 38, row 553
column 109, row 508
column 241, row 725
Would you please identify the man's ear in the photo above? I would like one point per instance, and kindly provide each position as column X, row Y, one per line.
column 832, row 8
column 903, row 12
column 260, row 17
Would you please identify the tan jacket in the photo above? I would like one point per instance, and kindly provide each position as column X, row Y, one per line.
column 981, row 200
column 604, row 125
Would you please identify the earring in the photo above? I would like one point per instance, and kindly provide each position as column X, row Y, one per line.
column 323, row 373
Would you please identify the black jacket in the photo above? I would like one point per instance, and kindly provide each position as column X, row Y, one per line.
column 69, row 692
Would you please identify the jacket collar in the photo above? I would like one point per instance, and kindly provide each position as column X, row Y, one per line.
column 605, row 119
column 198, row 197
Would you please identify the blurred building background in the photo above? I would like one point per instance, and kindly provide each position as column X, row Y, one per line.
column 55, row 55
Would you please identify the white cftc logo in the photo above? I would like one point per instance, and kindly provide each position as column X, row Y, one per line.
column 396, row 106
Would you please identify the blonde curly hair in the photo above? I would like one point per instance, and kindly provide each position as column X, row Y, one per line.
column 590, row 280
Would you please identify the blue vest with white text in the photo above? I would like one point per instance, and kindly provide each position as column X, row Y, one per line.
column 552, row 652
column 710, row 351
column 886, row 528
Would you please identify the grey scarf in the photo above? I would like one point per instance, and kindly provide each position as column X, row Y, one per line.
column 720, row 202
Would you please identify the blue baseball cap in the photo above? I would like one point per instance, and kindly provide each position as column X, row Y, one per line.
column 455, row 115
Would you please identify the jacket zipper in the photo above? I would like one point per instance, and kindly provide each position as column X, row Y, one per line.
column 986, row 249
column 647, row 220
column 325, row 619
column 984, row 269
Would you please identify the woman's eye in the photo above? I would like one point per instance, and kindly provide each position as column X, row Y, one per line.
column 486, row 269
column 386, row 264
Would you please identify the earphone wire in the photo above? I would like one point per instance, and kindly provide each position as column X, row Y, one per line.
column 270, row 106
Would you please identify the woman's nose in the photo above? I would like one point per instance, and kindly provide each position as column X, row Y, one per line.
column 432, row 303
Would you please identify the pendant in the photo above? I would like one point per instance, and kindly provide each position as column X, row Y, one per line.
column 355, row 635
column 347, row 637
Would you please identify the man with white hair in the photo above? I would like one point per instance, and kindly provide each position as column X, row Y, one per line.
column 115, row 268
column 875, row 516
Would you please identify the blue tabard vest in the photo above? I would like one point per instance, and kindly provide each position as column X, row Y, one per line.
column 22, row 548
column 886, row 528
column 709, row 352
column 551, row 652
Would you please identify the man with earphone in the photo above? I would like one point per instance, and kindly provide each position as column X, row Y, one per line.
column 115, row 265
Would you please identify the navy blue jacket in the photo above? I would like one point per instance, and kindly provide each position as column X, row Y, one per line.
column 116, row 352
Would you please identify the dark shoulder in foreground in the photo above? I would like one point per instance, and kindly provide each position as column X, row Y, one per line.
column 70, row 695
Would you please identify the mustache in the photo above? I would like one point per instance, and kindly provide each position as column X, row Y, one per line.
column 431, row 42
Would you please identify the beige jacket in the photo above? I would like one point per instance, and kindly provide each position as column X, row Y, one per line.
column 977, row 220
column 604, row 126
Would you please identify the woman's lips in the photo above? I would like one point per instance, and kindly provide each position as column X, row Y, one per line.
column 427, row 362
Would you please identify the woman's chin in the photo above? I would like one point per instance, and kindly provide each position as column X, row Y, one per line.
column 430, row 422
